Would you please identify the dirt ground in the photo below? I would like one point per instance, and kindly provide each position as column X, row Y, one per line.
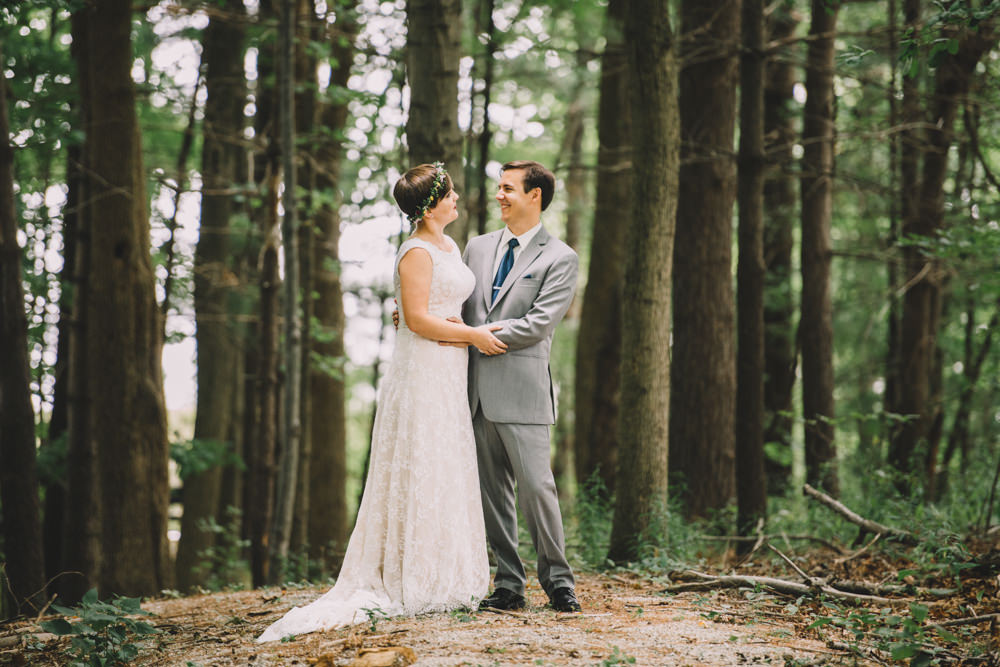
column 626, row 621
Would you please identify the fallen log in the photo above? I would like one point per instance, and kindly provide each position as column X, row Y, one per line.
column 867, row 524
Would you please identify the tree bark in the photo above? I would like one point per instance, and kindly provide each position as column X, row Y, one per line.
column 214, row 278
column 779, row 221
column 122, row 414
column 703, row 374
column 816, row 323
column 328, row 523
column 261, row 428
column 922, row 301
column 642, row 471
column 433, row 51
column 22, row 529
column 751, row 482
column 291, row 429
column 484, row 24
column 598, row 354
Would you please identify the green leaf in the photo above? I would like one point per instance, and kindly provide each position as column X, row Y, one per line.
column 58, row 626
column 90, row 597
column 901, row 651
column 919, row 612
column 945, row 635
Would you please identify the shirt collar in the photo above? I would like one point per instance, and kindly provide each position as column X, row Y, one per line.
column 524, row 239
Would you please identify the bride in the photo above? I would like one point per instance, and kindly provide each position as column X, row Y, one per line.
column 419, row 543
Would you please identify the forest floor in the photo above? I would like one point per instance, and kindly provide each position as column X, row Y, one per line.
column 630, row 618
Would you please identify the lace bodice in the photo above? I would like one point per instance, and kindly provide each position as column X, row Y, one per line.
column 452, row 282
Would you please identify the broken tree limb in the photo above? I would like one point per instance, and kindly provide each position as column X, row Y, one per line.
column 709, row 582
column 867, row 524
column 812, row 581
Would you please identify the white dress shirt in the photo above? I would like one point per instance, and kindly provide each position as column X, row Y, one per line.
column 522, row 241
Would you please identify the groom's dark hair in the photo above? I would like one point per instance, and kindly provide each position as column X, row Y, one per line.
column 535, row 176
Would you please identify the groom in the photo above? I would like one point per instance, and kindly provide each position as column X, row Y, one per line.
column 525, row 281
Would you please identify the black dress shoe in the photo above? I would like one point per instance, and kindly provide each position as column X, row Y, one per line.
column 564, row 599
column 504, row 599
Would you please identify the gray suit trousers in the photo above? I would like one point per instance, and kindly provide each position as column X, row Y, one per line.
column 518, row 454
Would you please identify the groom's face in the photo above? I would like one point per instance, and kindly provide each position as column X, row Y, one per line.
column 514, row 202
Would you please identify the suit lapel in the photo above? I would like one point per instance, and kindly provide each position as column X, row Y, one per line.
column 521, row 264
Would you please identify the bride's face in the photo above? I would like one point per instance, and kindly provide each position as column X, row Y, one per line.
column 446, row 210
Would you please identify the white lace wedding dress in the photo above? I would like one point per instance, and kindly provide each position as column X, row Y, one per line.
column 419, row 544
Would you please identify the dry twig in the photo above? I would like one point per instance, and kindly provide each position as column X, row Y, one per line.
column 867, row 524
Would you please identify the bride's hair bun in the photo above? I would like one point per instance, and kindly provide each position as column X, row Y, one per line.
column 420, row 189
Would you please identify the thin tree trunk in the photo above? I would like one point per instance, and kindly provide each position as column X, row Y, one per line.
column 55, row 488
column 924, row 276
column 703, row 372
column 642, row 471
column 22, row 529
column 598, row 354
column 328, row 469
column 486, row 134
column 281, row 528
column 433, row 51
column 81, row 514
column 816, row 323
column 779, row 221
column 751, row 482
column 214, row 280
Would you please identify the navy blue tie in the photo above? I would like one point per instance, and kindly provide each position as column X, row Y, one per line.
column 505, row 265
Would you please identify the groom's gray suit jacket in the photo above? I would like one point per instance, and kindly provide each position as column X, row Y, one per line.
column 516, row 387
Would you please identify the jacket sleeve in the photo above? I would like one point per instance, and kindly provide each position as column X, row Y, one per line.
column 548, row 308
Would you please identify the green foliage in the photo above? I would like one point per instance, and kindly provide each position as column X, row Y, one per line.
column 224, row 563
column 593, row 510
column 104, row 633
column 617, row 657
column 905, row 636
column 197, row 455
column 374, row 614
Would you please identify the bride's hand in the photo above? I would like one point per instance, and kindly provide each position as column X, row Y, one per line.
column 486, row 342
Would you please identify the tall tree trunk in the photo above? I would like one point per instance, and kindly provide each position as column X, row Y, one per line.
column 328, row 468
column 598, row 352
column 484, row 24
column 779, row 221
column 642, row 470
column 214, row 279
column 816, row 324
column 281, row 529
column 703, row 372
column 22, row 529
column 261, row 427
column 924, row 276
column 124, row 420
column 55, row 488
column 433, row 50
column 306, row 116
column 751, row 483
column 81, row 513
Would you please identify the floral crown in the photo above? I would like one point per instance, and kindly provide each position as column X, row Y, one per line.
column 432, row 196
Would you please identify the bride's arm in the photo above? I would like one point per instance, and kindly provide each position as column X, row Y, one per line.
column 415, row 271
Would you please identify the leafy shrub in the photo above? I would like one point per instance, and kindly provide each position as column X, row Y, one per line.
column 104, row 632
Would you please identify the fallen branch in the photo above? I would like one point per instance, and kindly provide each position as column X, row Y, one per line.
column 971, row 620
column 867, row 524
column 710, row 582
column 851, row 586
column 812, row 581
